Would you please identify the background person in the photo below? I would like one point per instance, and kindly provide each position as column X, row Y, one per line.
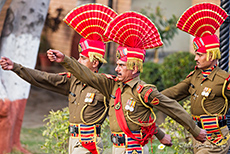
column 207, row 85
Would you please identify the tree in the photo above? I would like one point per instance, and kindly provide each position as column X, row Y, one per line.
column 19, row 41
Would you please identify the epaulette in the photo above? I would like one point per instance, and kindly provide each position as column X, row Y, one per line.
column 140, row 88
column 223, row 74
column 228, row 78
column 190, row 74
column 109, row 76
column 68, row 74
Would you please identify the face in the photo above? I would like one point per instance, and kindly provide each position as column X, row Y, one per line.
column 201, row 61
column 85, row 61
column 123, row 74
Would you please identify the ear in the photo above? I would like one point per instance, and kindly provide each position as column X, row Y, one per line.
column 95, row 63
column 135, row 70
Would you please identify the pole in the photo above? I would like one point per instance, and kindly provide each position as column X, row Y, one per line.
column 110, row 4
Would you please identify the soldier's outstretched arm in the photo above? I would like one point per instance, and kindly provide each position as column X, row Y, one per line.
column 173, row 109
column 6, row 63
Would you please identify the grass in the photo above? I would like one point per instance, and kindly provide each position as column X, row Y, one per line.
column 32, row 140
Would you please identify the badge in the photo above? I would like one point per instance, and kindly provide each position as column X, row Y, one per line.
column 146, row 97
column 130, row 104
column 117, row 106
column 155, row 101
column 206, row 92
column 134, row 152
column 89, row 97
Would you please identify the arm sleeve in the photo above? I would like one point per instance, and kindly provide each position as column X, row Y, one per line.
column 179, row 91
column 85, row 75
column 171, row 108
column 160, row 134
column 49, row 81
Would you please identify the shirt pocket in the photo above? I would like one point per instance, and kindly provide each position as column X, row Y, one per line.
column 72, row 99
column 92, row 99
column 192, row 91
column 211, row 96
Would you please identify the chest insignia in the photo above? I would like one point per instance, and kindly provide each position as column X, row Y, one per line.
column 89, row 97
column 206, row 92
column 130, row 104
column 117, row 106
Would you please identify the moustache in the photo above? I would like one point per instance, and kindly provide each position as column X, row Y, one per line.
column 118, row 73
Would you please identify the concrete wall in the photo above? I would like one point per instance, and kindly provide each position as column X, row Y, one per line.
column 181, row 41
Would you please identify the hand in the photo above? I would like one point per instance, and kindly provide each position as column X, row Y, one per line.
column 6, row 63
column 166, row 140
column 55, row 55
column 202, row 136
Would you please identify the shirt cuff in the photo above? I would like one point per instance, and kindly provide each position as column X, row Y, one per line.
column 160, row 134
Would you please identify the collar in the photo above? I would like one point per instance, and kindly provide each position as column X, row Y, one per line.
column 211, row 75
column 131, row 83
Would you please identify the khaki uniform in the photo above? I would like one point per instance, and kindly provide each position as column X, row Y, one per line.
column 86, row 104
column 213, row 103
column 108, row 86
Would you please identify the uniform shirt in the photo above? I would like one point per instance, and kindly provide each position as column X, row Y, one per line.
column 194, row 85
column 108, row 86
column 77, row 92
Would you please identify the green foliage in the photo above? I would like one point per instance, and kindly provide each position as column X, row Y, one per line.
column 152, row 75
column 105, row 135
column 182, row 141
column 166, row 27
column 56, row 132
column 176, row 67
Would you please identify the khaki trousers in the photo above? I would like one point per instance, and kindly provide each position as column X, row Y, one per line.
column 209, row 148
column 121, row 150
column 75, row 146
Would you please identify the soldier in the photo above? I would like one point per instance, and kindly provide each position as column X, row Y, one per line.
column 207, row 85
column 87, row 106
column 132, row 120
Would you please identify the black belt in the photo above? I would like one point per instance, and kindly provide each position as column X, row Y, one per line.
column 117, row 139
column 74, row 129
column 221, row 123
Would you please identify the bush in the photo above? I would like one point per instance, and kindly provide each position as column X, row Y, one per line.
column 176, row 67
column 181, row 139
column 152, row 75
column 56, row 132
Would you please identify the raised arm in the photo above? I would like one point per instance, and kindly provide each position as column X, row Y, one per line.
column 95, row 80
column 49, row 81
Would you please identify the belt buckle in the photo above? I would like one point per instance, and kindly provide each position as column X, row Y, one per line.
column 72, row 129
column 114, row 139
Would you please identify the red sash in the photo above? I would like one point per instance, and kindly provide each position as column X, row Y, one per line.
column 91, row 146
column 121, row 119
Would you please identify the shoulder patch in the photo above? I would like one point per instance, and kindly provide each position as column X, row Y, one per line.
column 68, row 74
column 146, row 97
column 109, row 76
column 190, row 74
column 155, row 101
